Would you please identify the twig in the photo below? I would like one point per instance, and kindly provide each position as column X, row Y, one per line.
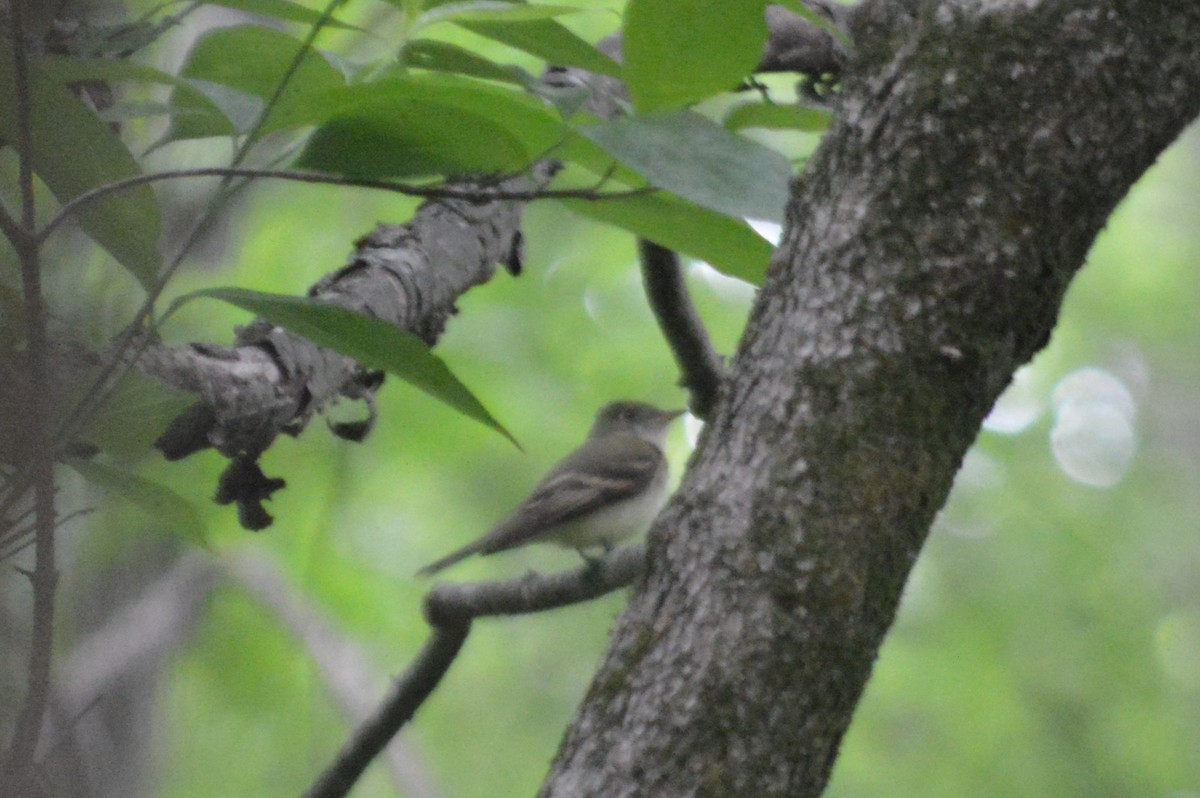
column 347, row 671
column 701, row 368
column 16, row 543
column 9, row 226
column 430, row 192
column 409, row 692
column 456, row 603
column 306, row 47
column 450, row 610
column 19, row 764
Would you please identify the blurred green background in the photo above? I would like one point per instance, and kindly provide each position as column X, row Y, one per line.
column 1048, row 643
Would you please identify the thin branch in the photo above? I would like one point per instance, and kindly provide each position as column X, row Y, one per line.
column 450, row 610
column 408, row 693
column 701, row 369
column 20, row 764
column 17, row 540
column 449, row 603
column 306, row 46
column 349, row 675
column 9, row 226
column 428, row 192
column 16, row 543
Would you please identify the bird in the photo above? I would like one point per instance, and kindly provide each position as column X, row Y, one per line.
column 608, row 489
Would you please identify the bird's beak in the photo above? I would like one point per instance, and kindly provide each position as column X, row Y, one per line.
column 671, row 415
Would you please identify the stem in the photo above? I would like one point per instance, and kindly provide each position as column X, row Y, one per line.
column 9, row 226
column 428, row 192
column 20, row 761
column 451, row 609
column 700, row 366
column 408, row 693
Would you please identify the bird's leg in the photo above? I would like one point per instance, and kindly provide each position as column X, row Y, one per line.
column 594, row 564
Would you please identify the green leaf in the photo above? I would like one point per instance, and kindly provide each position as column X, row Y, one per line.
column 547, row 39
column 778, row 117
column 431, row 124
column 250, row 61
column 412, row 139
column 140, row 408
column 680, row 51
column 701, row 161
column 165, row 507
column 730, row 245
column 374, row 343
column 283, row 9
column 69, row 69
column 194, row 114
column 239, row 109
column 444, row 57
column 74, row 152
column 491, row 11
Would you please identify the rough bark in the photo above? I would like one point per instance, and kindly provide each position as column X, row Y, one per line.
column 979, row 148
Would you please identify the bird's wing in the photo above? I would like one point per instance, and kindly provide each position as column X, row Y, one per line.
column 613, row 469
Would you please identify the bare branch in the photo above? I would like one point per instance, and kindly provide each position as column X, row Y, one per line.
column 8, row 225
column 700, row 366
column 450, row 609
column 449, row 603
column 477, row 193
column 348, row 673
column 408, row 693
column 19, row 764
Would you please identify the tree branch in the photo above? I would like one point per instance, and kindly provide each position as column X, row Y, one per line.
column 476, row 193
column 458, row 603
column 19, row 765
column 700, row 366
column 450, row 610
column 344, row 666
column 9, row 226
column 409, row 692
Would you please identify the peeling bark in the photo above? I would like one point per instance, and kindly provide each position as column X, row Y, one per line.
column 272, row 382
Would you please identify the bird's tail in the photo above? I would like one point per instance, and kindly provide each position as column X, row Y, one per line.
column 451, row 558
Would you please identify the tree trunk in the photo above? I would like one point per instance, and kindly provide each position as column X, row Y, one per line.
column 978, row 150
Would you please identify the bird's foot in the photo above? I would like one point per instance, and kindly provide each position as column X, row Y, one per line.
column 593, row 564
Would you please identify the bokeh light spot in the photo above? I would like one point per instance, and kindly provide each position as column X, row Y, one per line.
column 1093, row 437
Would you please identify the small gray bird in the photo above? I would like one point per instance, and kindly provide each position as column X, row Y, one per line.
column 608, row 489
